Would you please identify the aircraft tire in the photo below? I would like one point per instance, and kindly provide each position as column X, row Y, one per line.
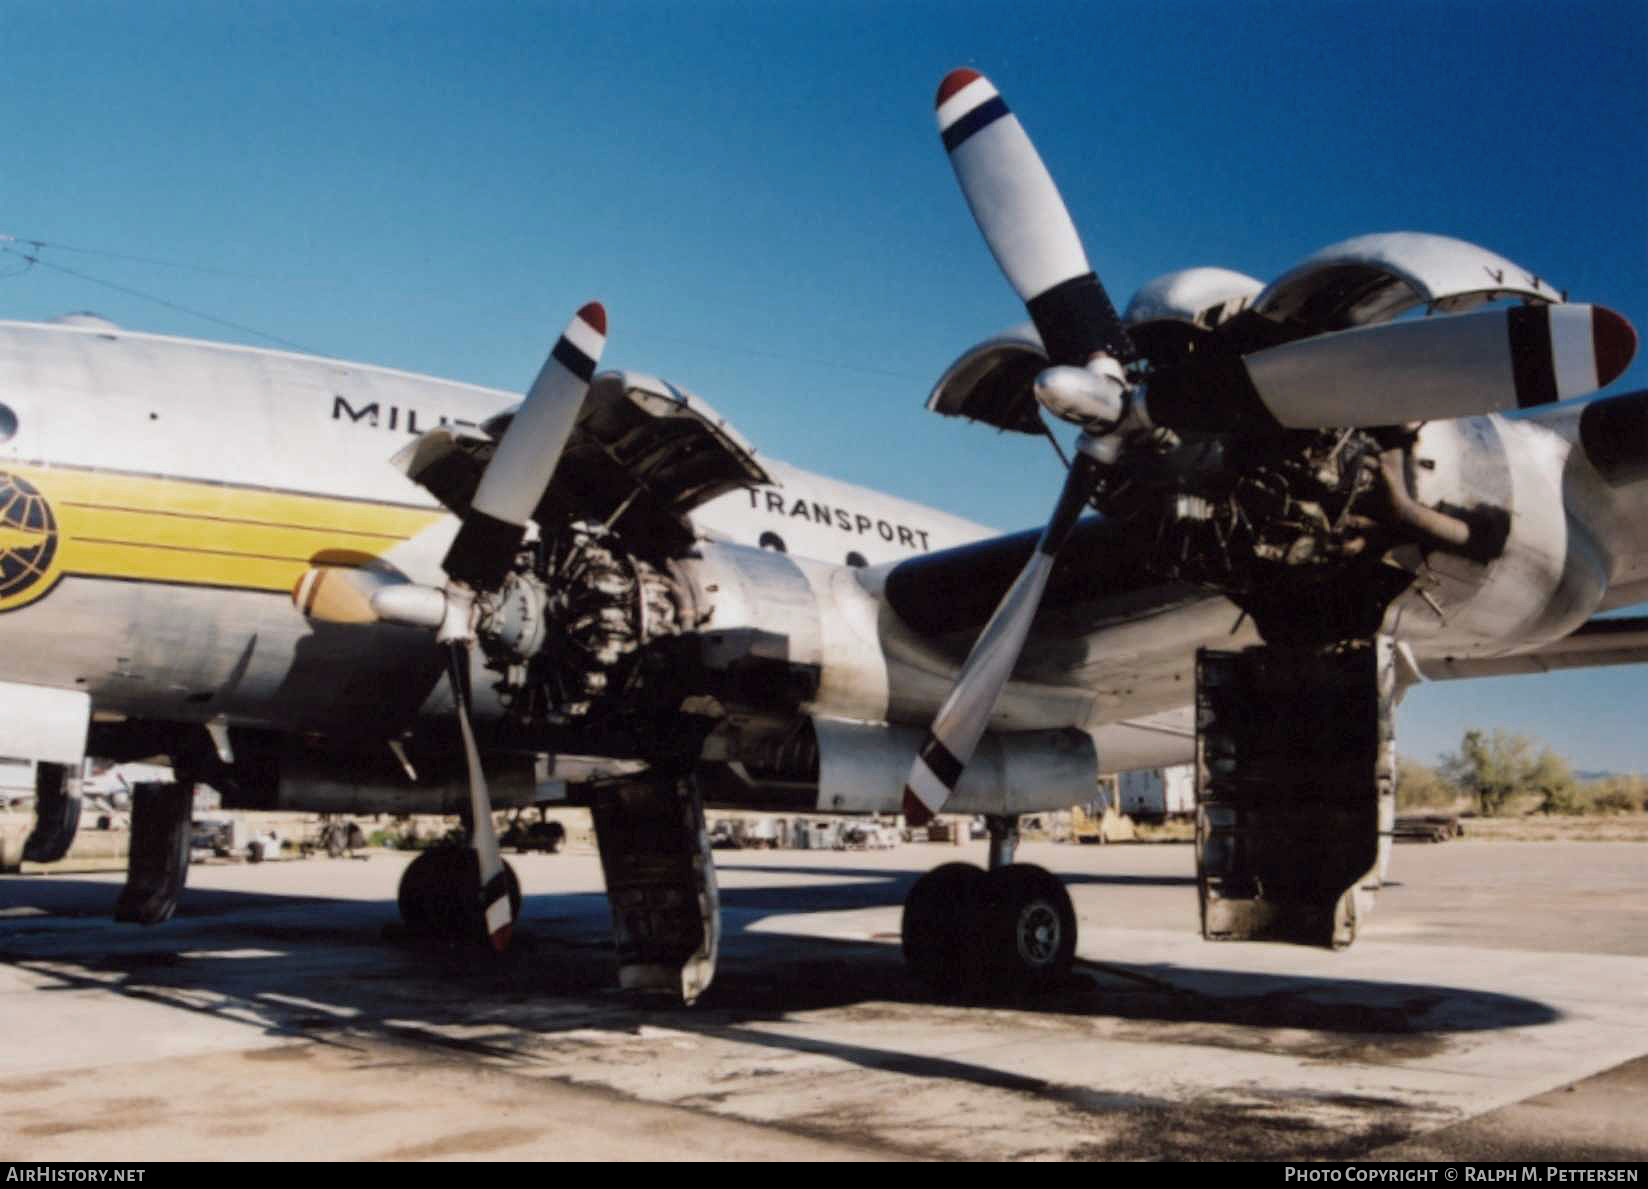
column 939, row 918
column 1027, row 929
column 439, row 895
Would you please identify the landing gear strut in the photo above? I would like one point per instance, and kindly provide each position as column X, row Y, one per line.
column 1293, row 830
column 1004, row 840
column 1010, row 929
column 660, row 874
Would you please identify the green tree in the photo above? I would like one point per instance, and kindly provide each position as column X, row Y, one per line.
column 1498, row 765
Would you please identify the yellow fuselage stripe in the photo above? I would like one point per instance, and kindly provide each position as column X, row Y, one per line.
column 144, row 528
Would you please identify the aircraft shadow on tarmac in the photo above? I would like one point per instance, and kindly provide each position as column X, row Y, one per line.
column 763, row 973
column 344, row 972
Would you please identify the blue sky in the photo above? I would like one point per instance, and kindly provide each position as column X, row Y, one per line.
column 758, row 194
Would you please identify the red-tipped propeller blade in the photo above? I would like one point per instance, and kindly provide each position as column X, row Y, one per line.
column 1424, row 369
column 1025, row 223
column 526, row 458
column 481, row 554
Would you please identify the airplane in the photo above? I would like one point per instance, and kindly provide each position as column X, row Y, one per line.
column 326, row 586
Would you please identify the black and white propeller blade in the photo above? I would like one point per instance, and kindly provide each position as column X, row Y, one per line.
column 1425, row 369
column 962, row 718
column 485, row 547
column 1024, row 220
column 521, row 468
column 1028, row 229
column 496, row 911
column 476, row 565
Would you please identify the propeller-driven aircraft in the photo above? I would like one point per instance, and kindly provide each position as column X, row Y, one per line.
column 1288, row 502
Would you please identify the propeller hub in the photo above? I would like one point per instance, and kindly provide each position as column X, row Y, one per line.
column 1092, row 397
column 458, row 623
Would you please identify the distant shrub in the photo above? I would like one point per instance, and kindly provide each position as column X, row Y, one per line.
column 1617, row 794
column 1422, row 787
column 1569, row 800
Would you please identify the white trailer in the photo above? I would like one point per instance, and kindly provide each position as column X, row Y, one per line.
column 16, row 782
column 1154, row 793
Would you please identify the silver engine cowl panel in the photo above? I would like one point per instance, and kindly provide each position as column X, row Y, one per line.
column 1546, row 576
column 862, row 768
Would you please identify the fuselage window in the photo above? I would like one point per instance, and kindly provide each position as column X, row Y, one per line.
column 8, row 423
column 774, row 542
column 855, row 558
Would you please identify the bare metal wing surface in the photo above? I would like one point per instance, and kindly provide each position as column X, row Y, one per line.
column 1621, row 640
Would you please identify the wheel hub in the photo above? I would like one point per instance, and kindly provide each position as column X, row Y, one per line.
column 1038, row 933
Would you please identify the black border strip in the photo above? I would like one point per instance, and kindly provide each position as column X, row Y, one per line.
column 1533, row 370
column 483, row 550
column 568, row 354
column 980, row 118
column 941, row 762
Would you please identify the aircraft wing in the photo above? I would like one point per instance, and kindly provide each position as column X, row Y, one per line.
column 1109, row 626
column 1104, row 581
column 1617, row 641
column 642, row 455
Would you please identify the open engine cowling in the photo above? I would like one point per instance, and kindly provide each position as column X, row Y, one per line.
column 1358, row 282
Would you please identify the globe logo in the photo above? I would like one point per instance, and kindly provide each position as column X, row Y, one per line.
column 28, row 541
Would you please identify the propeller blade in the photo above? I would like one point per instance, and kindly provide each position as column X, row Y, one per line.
column 966, row 711
column 1025, row 222
column 1426, row 369
column 520, row 470
column 483, row 836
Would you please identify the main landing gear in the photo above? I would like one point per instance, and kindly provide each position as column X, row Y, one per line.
column 1010, row 929
column 440, row 895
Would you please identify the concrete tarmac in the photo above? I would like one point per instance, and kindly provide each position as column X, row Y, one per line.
column 1492, row 1009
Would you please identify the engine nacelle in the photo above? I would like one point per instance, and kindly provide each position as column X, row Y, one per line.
column 286, row 773
column 1529, row 571
column 863, row 769
column 841, row 766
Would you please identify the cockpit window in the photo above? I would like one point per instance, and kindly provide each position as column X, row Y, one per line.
column 8, row 423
